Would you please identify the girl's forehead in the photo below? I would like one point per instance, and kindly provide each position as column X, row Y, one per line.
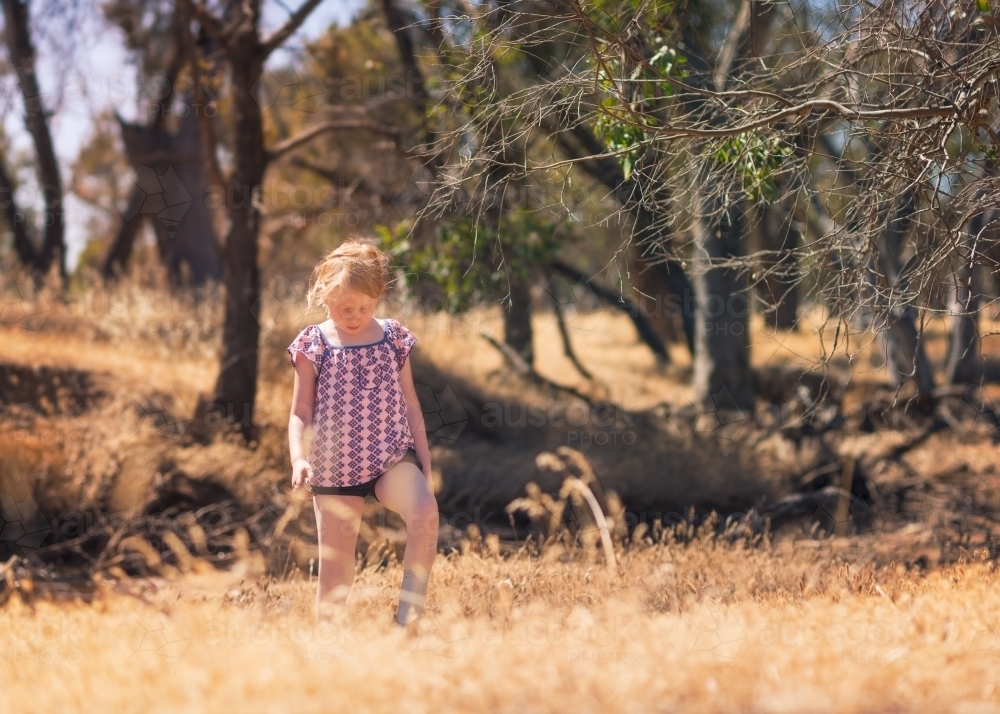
column 350, row 298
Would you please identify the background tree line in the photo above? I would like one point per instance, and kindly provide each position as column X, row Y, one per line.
column 832, row 154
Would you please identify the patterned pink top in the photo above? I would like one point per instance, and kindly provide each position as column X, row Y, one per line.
column 360, row 427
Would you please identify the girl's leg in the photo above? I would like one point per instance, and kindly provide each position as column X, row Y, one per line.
column 404, row 489
column 338, row 520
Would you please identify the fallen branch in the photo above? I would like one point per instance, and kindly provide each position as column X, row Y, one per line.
column 803, row 504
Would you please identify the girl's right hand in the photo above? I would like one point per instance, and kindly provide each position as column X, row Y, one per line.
column 301, row 469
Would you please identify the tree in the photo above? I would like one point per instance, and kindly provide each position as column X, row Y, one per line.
column 908, row 89
column 36, row 119
column 237, row 32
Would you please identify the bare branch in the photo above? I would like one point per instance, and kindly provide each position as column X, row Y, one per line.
column 312, row 132
column 291, row 25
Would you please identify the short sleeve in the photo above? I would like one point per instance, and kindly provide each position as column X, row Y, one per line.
column 310, row 343
column 402, row 342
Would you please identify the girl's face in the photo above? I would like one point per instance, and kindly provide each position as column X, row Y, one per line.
column 351, row 311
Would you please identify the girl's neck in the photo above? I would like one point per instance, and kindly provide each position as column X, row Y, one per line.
column 373, row 332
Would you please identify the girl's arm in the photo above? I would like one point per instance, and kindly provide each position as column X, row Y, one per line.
column 415, row 418
column 303, row 399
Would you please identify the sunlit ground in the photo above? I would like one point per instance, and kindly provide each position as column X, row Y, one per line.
column 693, row 628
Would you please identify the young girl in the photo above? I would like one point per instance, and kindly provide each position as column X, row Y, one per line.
column 353, row 385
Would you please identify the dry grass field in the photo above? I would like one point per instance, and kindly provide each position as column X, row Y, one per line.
column 701, row 627
column 175, row 575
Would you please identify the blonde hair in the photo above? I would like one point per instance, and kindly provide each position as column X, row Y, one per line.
column 353, row 265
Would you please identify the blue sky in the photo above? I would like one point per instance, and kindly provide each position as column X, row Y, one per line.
column 96, row 74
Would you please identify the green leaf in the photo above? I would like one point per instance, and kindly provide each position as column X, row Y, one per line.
column 983, row 5
column 627, row 166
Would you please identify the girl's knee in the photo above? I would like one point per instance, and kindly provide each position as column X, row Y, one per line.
column 427, row 502
column 423, row 511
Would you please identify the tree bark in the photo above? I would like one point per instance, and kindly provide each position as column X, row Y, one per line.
column 517, row 319
column 36, row 118
column 671, row 282
column 236, row 386
column 964, row 364
column 722, row 346
column 119, row 251
column 15, row 222
column 904, row 350
column 779, row 235
column 649, row 296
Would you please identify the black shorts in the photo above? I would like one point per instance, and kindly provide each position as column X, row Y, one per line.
column 362, row 489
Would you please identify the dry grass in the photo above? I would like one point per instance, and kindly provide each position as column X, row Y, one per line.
column 699, row 627
column 695, row 620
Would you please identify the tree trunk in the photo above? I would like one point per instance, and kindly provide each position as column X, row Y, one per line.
column 236, row 386
column 680, row 293
column 722, row 346
column 517, row 319
column 904, row 350
column 669, row 281
column 964, row 364
column 171, row 186
column 664, row 296
column 15, row 222
column 235, row 390
column 779, row 235
column 649, row 296
column 22, row 55
column 119, row 251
